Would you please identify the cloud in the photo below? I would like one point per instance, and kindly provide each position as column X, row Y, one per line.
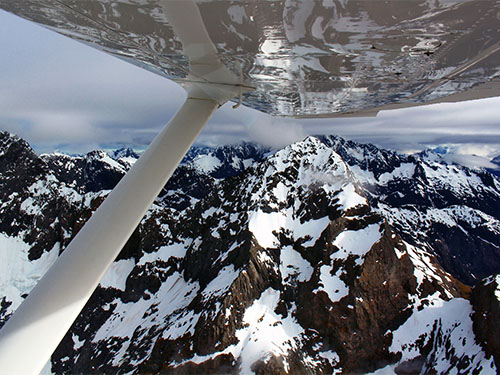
column 483, row 150
column 471, row 161
column 273, row 132
column 474, row 122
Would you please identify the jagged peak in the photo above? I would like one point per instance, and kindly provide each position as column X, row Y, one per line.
column 124, row 152
column 240, row 148
column 338, row 143
column 298, row 172
column 6, row 136
column 311, row 154
column 8, row 139
column 223, row 161
column 96, row 154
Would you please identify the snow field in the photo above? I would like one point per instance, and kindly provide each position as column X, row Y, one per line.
column 168, row 303
column 262, row 225
column 117, row 274
column 18, row 275
column 293, row 266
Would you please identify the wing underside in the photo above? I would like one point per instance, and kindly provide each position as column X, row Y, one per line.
column 303, row 58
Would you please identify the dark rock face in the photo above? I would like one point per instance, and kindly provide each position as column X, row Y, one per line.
column 33, row 206
column 378, row 302
column 485, row 299
column 294, row 263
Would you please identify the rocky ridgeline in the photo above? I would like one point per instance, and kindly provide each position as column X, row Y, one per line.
column 325, row 257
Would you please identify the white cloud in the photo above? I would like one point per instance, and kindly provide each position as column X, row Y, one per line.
column 274, row 132
column 471, row 161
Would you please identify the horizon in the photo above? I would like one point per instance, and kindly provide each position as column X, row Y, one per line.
column 448, row 154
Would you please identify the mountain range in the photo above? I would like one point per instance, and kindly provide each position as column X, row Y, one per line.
column 326, row 257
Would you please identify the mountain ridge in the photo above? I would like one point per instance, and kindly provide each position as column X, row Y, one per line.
column 297, row 263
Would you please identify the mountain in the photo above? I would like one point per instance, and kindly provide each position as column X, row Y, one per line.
column 124, row 153
column 496, row 160
column 203, row 167
column 327, row 256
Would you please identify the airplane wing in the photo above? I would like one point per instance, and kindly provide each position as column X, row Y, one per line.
column 303, row 58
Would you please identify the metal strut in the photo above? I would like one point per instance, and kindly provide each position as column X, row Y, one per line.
column 31, row 335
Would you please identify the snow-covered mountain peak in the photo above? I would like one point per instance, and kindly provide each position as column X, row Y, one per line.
column 125, row 152
column 8, row 140
column 125, row 156
column 223, row 161
column 314, row 162
column 300, row 172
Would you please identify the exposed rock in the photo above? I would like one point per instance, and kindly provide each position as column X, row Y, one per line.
column 485, row 299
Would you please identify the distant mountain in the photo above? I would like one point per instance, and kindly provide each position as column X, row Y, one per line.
column 495, row 171
column 224, row 161
column 327, row 256
column 123, row 153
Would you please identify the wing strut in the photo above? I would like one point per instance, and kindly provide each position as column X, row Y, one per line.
column 31, row 335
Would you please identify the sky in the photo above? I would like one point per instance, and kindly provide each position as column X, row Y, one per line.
column 59, row 94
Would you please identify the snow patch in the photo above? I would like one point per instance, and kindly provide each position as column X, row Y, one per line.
column 405, row 171
column 113, row 163
column 117, row 274
column 292, row 265
column 264, row 333
column 77, row 342
column 164, row 253
column 349, row 198
column 452, row 319
column 332, row 285
column 18, row 275
column 262, row 225
column 356, row 242
column 207, row 163
column 497, row 290
column 350, row 243
column 221, row 283
column 330, row 356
